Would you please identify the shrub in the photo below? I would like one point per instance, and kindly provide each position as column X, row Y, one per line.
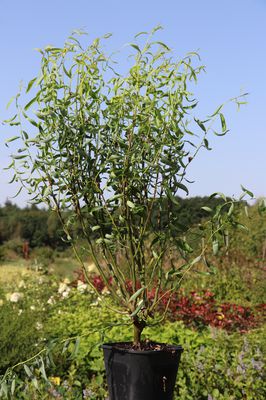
column 43, row 257
column 23, row 313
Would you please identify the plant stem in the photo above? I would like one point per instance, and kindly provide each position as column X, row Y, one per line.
column 138, row 325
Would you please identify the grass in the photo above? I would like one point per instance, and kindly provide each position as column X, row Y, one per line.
column 14, row 271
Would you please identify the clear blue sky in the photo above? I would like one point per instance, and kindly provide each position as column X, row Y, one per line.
column 229, row 34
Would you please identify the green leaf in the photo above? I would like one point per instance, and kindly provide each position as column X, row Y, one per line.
column 136, row 294
column 95, row 228
column 220, row 134
column 243, row 227
column 140, row 305
column 65, row 347
column 176, row 272
column 195, row 261
column 13, row 386
column 30, row 84
column 42, row 369
column 7, row 121
column 223, row 123
column 163, row 45
column 35, row 383
column 208, row 209
column 130, row 204
column 215, row 247
column 200, row 124
column 182, row 187
column 4, row 389
column 172, row 197
column 12, row 139
column 135, row 46
column 141, row 33
column 19, row 157
column 107, row 35
column 216, row 111
column 76, row 349
column 68, row 73
column 28, row 371
column 231, row 209
column 206, row 144
column 10, row 102
column 247, row 191
column 27, row 106
column 218, row 194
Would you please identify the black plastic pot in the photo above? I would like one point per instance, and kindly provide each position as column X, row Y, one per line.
column 141, row 375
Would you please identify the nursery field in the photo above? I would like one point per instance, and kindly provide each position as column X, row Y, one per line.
column 52, row 326
column 53, row 323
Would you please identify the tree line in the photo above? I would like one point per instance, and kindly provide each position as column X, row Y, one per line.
column 41, row 227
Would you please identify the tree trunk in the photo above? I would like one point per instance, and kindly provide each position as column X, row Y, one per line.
column 138, row 328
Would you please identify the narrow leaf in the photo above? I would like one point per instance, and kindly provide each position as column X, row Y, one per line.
column 10, row 102
column 135, row 46
column 13, row 386
column 206, row 144
column 28, row 371
column 182, row 187
column 12, row 139
column 216, row 111
column 130, row 204
column 30, row 103
column 30, row 84
column 196, row 260
column 247, row 191
column 215, row 247
column 42, row 369
column 140, row 305
column 136, row 294
column 223, row 123
column 208, row 209
column 200, row 124
column 95, row 228
column 76, row 348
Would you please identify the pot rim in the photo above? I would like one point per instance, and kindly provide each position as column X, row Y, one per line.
column 113, row 346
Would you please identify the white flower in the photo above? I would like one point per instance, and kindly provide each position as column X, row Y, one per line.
column 82, row 287
column 22, row 284
column 20, row 312
column 66, row 293
column 1, row 302
column 105, row 290
column 39, row 326
column 62, row 287
column 32, row 308
column 51, row 300
column 15, row 297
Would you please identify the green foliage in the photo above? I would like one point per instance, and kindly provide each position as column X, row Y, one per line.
column 250, row 244
column 38, row 226
column 43, row 258
column 110, row 153
column 18, row 335
column 214, row 363
column 23, row 312
column 12, row 248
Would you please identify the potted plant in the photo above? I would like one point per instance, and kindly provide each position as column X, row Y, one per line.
column 108, row 152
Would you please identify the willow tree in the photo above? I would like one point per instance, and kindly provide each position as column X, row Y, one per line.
column 109, row 152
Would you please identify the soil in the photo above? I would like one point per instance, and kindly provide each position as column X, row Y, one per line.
column 146, row 345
